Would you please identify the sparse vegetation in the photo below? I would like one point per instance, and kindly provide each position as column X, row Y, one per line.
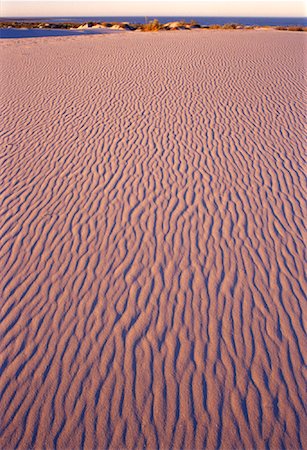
column 155, row 25
column 194, row 24
column 231, row 26
column 296, row 29
column 291, row 28
column 30, row 25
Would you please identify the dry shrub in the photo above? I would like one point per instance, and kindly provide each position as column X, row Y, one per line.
column 230, row 26
column 155, row 25
column 292, row 28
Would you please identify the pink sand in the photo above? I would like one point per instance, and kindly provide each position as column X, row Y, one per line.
column 151, row 241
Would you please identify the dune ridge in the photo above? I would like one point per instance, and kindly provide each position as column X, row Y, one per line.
column 152, row 242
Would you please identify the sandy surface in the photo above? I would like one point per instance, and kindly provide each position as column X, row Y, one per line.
column 151, row 241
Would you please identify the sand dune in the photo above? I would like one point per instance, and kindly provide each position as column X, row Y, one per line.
column 151, row 241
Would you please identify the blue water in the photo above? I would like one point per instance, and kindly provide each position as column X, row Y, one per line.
column 17, row 33
column 7, row 33
column 273, row 21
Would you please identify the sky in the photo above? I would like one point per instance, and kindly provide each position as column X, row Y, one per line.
column 45, row 8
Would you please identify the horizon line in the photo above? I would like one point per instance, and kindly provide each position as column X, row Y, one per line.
column 152, row 15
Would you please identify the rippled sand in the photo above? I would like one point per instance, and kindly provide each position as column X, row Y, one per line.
column 151, row 241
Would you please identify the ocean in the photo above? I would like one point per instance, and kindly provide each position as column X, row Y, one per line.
column 272, row 21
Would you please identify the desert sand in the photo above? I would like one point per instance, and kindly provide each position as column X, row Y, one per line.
column 152, row 241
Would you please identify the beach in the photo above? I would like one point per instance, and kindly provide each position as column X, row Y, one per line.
column 152, row 203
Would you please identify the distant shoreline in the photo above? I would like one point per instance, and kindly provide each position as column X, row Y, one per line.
column 152, row 25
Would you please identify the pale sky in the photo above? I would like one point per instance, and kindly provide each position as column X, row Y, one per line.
column 274, row 8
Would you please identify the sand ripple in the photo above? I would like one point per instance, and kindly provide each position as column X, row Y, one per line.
column 151, row 241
